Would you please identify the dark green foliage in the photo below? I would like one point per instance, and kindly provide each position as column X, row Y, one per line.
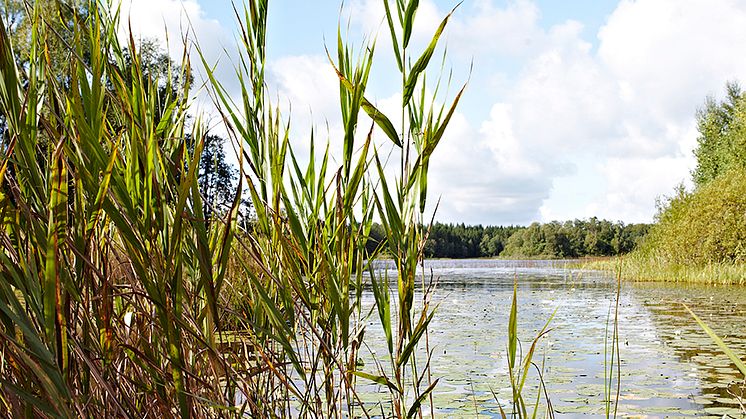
column 59, row 16
column 217, row 179
column 462, row 241
column 570, row 239
column 721, row 144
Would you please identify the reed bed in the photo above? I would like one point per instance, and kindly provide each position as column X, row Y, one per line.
column 121, row 298
column 636, row 267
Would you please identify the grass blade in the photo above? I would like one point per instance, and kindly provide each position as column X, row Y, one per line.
column 715, row 338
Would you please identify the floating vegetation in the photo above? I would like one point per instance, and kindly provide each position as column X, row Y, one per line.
column 669, row 366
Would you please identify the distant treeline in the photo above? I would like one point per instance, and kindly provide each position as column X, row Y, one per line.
column 569, row 239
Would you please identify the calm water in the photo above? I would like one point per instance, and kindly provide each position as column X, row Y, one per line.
column 670, row 368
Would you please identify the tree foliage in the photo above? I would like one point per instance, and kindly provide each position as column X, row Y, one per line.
column 721, row 144
column 569, row 239
column 704, row 226
column 708, row 225
column 577, row 238
column 216, row 177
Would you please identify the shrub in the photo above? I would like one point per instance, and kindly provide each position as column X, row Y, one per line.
column 704, row 226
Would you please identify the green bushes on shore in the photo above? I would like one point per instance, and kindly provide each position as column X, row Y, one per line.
column 700, row 235
column 704, row 227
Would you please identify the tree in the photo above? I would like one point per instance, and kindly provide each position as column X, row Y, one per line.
column 216, row 177
column 704, row 226
column 58, row 17
column 18, row 16
column 721, row 144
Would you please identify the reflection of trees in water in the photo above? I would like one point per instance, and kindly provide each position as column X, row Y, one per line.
column 724, row 309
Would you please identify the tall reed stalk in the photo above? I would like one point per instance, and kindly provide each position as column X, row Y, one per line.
column 313, row 224
column 109, row 298
column 119, row 298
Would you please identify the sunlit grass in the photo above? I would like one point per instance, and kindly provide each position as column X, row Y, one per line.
column 635, row 267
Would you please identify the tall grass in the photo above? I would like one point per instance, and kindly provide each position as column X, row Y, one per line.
column 641, row 267
column 110, row 277
column 119, row 298
column 519, row 366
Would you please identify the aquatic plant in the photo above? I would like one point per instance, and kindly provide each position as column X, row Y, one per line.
column 639, row 267
column 118, row 298
column 519, row 366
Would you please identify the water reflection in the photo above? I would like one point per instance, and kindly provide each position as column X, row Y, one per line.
column 669, row 366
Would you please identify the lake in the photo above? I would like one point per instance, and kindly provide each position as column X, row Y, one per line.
column 669, row 366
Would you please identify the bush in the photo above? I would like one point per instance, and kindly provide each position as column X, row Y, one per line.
column 704, row 226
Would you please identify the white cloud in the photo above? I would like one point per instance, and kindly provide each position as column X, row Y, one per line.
column 510, row 30
column 618, row 120
column 168, row 21
column 309, row 83
column 567, row 126
column 634, row 184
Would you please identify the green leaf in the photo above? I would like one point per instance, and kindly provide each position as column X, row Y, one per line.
column 421, row 63
column 392, row 30
column 383, row 303
column 729, row 352
column 433, row 141
column 409, row 20
column 513, row 328
column 417, row 403
column 422, row 174
column 379, row 117
column 415, row 338
column 357, row 174
column 380, row 379
column 382, row 121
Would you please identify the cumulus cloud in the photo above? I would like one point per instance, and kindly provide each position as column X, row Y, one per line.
column 511, row 30
column 616, row 117
column 557, row 122
column 169, row 21
column 309, row 83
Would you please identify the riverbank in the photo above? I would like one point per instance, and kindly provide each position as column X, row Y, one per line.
column 637, row 268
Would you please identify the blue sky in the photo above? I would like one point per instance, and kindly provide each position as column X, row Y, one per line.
column 574, row 109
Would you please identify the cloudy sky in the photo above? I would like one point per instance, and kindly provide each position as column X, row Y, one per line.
column 574, row 108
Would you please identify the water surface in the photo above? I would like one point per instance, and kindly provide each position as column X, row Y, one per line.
column 669, row 367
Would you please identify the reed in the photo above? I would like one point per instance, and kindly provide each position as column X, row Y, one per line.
column 519, row 367
column 639, row 267
column 121, row 298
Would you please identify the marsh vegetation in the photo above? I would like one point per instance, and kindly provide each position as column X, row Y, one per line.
column 135, row 285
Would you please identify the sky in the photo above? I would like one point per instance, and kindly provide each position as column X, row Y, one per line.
column 573, row 108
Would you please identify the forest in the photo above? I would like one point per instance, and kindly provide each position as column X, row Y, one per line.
column 553, row 240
